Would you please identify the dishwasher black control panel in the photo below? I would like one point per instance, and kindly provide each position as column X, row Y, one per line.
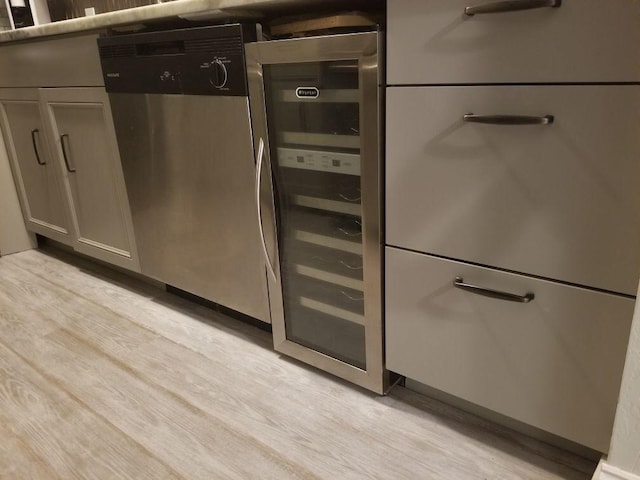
column 193, row 61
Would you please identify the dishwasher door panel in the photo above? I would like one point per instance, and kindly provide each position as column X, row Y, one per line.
column 189, row 169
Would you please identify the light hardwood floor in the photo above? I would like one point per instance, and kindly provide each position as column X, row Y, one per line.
column 105, row 377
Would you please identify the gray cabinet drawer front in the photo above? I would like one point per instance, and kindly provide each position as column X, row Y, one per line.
column 432, row 41
column 51, row 62
column 554, row 363
column 560, row 201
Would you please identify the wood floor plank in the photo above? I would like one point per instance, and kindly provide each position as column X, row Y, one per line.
column 128, row 297
column 73, row 442
column 310, row 437
column 19, row 461
column 193, row 443
column 227, row 371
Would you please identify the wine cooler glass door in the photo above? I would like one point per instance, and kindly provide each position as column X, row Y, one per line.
column 323, row 158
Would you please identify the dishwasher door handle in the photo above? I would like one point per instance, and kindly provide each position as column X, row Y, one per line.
column 259, row 163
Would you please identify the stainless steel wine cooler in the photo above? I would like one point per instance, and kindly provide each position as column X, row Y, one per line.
column 315, row 108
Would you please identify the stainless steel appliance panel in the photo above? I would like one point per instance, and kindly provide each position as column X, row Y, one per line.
column 189, row 169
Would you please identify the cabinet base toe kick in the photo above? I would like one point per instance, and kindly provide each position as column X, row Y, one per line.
column 546, row 354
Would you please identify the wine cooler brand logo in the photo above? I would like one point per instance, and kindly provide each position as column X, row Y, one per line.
column 307, row 92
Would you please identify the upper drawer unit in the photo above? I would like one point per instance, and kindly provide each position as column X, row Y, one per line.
column 559, row 199
column 435, row 42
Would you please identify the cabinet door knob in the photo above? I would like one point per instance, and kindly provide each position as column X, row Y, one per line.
column 511, row 6
column 508, row 119
column 487, row 292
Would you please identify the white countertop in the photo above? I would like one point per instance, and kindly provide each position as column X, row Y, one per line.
column 190, row 9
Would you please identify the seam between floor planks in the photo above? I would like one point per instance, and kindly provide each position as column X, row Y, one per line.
column 72, row 401
column 265, row 449
column 78, row 400
column 5, row 429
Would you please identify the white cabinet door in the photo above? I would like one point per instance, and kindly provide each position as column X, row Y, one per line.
column 434, row 42
column 559, row 200
column 36, row 174
column 81, row 129
column 554, row 362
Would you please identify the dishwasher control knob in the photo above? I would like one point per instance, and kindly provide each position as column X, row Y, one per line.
column 218, row 75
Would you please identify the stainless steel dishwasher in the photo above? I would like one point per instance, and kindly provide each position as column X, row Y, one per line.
column 181, row 114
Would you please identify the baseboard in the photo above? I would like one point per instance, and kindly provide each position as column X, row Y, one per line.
column 505, row 421
column 609, row 472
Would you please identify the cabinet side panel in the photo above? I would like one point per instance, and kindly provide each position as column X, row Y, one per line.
column 13, row 234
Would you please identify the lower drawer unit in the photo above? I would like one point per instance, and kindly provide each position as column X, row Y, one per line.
column 550, row 356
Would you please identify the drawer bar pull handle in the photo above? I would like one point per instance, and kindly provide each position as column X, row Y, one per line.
column 487, row 292
column 511, row 6
column 508, row 119
column 65, row 155
column 35, row 134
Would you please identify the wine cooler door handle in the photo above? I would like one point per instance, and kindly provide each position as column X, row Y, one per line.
column 511, row 6
column 487, row 292
column 36, row 133
column 508, row 119
column 259, row 163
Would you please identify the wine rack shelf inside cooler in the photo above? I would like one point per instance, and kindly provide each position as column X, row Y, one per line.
column 329, row 277
column 332, row 310
column 325, row 204
column 326, row 140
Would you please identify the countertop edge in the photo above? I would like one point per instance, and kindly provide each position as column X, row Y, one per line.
column 194, row 9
